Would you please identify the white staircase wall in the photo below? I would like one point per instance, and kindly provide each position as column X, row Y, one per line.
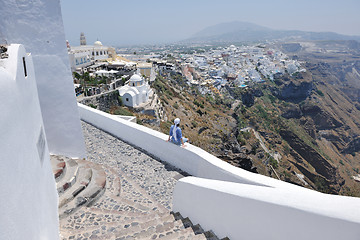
column 37, row 24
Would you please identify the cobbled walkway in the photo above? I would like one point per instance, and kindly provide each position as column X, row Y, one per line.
column 137, row 200
column 158, row 179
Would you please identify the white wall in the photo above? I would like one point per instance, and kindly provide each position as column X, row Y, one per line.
column 28, row 197
column 191, row 159
column 244, row 204
column 241, row 211
column 37, row 24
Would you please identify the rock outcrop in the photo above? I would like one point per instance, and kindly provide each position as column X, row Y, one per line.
column 294, row 93
column 315, row 159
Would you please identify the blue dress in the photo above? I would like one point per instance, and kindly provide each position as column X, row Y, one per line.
column 175, row 139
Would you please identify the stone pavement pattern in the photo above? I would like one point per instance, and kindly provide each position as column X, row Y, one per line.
column 118, row 193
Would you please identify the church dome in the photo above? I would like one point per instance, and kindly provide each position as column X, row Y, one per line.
column 135, row 78
column 98, row 43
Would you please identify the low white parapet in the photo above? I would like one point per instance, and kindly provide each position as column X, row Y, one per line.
column 190, row 159
column 234, row 202
column 127, row 118
column 241, row 211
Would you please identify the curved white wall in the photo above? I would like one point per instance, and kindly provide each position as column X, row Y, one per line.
column 191, row 159
column 241, row 211
column 28, row 196
column 37, row 24
column 243, row 204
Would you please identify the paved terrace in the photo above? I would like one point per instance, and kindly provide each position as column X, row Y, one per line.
column 124, row 194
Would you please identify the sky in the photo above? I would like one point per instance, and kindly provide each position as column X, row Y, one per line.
column 130, row 22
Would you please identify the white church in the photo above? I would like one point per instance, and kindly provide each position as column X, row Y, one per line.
column 136, row 92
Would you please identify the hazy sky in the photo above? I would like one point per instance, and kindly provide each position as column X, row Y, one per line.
column 120, row 22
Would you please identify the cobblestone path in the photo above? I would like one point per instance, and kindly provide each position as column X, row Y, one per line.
column 118, row 193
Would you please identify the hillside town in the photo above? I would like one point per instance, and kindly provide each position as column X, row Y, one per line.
column 191, row 140
column 209, row 70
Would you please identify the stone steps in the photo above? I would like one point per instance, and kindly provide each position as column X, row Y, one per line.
column 69, row 178
column 58, row 167
column 101, row 202
column 197, row 229
column 84, row 178
column 184, row 234
column 81, row 183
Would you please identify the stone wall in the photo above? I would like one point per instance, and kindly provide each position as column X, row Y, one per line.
column 103, row 102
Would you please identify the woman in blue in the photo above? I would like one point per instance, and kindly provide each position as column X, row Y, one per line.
column 175, row 135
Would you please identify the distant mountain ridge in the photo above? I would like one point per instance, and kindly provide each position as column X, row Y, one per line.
column 249, row 32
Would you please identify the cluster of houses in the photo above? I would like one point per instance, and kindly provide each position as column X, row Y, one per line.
column 211, row 70
column 237, row 66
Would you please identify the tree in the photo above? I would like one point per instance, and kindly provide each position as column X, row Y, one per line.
column 77, row 76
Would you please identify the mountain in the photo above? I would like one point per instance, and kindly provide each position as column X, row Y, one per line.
column 249, row 32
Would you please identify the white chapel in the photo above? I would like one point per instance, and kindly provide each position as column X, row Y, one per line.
column 136, row 92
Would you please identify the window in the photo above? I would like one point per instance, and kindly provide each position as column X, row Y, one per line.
column 24, row 64
column 97, row 53
column 127, row 99
column 93, row 53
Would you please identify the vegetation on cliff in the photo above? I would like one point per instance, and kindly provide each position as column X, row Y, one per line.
column 309, row 129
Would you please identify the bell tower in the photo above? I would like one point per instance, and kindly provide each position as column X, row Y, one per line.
column 82, row 39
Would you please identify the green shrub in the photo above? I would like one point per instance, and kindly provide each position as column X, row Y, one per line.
column 241, row 140
column 123, row 111
column 92, row 105
column 273, row 162
column 246, row 134
column 176, row 105
column 198, row 104
column 120, row 100
column 320, row 93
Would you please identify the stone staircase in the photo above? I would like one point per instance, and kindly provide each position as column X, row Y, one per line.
column 96, row 202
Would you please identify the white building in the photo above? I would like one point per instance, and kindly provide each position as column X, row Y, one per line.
column 136, row 92
column 29, row 201
column 86, row 55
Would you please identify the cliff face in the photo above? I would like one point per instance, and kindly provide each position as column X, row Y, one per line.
column 327, row 121
column 306, row 126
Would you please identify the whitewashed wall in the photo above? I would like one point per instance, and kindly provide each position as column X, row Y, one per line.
column 37, row 24
column 28, row 197
column 191, row 159
column 243, row 205
column 241, row 211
